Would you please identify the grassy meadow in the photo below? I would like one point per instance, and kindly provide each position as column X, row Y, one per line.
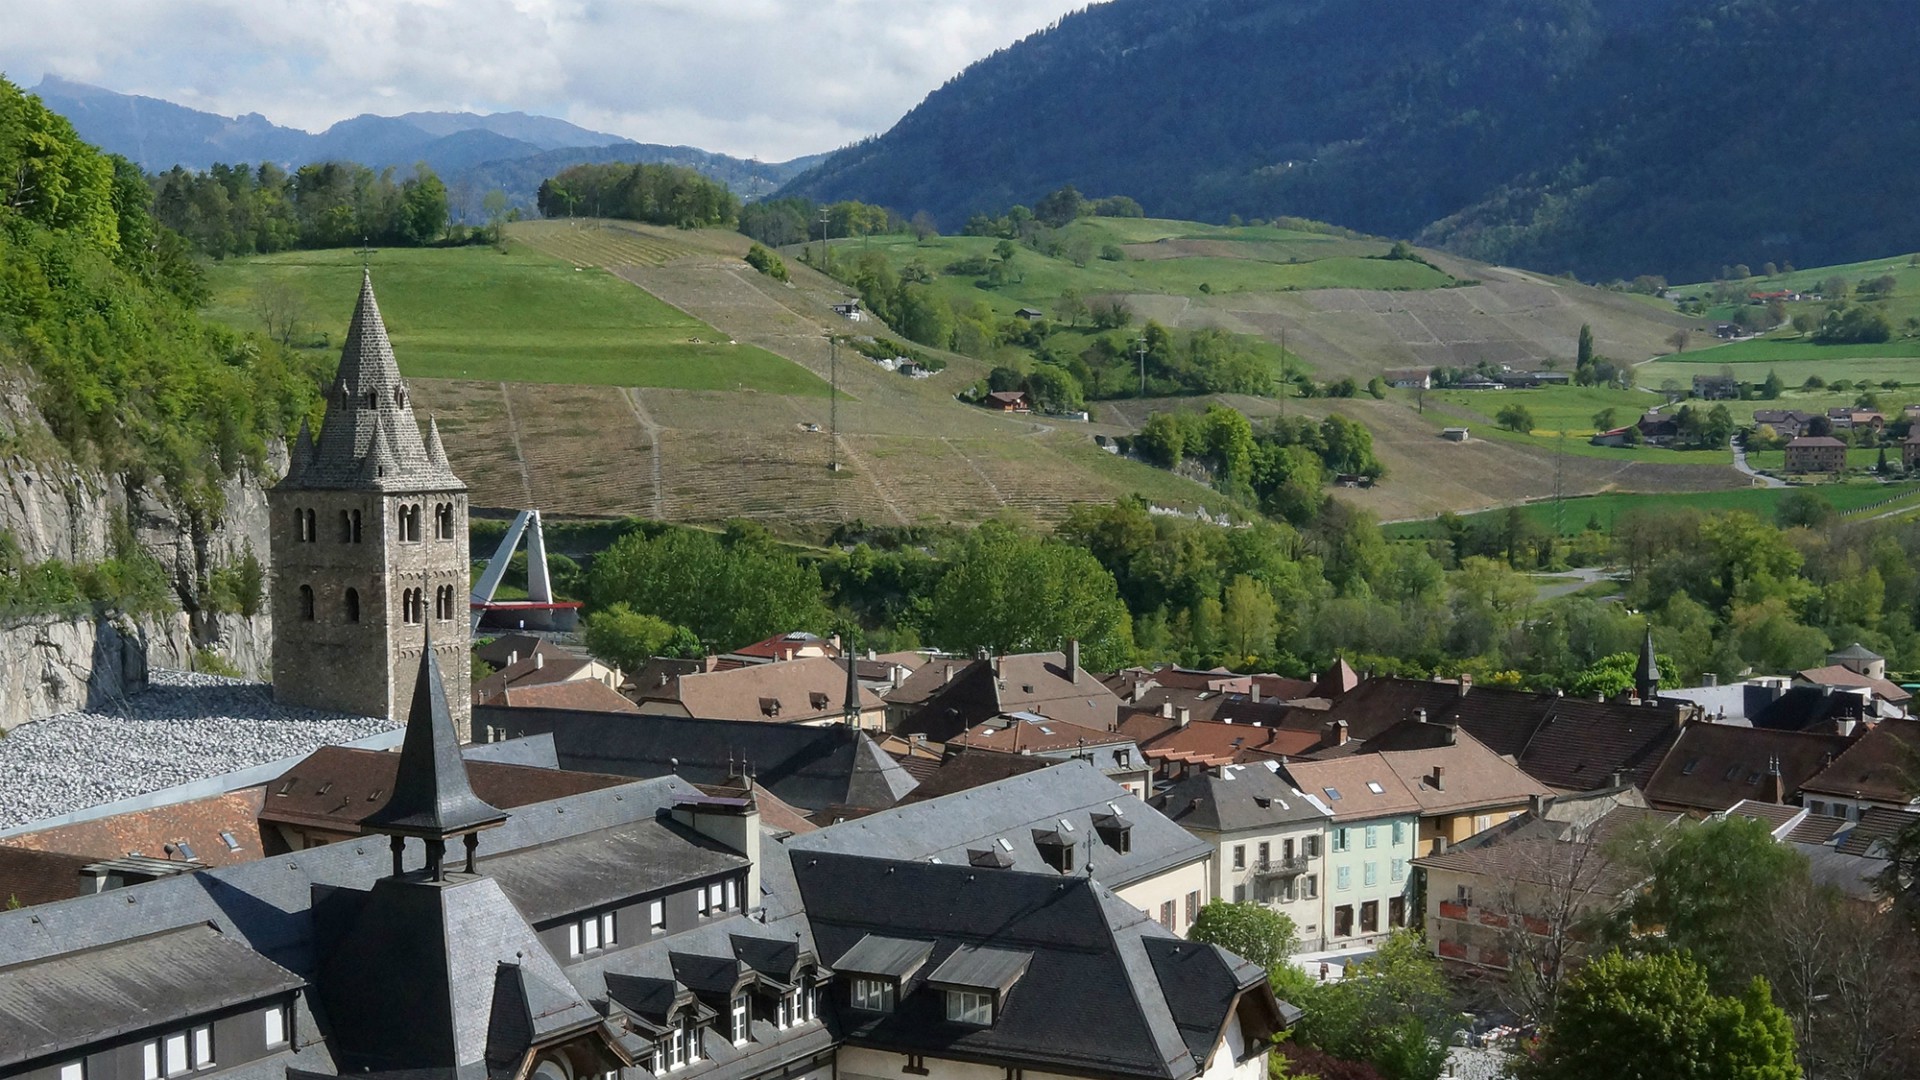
column 1577, row 513
column 475, row 313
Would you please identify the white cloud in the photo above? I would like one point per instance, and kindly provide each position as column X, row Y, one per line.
column 766, row 78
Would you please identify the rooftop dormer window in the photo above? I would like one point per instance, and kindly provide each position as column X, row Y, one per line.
column 970, row 1007
column 1056, row 848
column 872, row 994
column 976, row 980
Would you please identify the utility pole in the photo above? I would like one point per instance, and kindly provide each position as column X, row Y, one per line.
column 826, row 250
column 1285, row 385
column 1559, row 487
column 1140, row 351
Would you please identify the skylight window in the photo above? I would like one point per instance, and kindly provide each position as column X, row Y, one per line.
column 228, row 839
column 1065, row 825
column 1006, row 844
column 1374, row 786
column 1332, row 793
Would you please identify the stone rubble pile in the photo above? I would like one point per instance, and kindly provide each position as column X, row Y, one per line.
column 184, row 727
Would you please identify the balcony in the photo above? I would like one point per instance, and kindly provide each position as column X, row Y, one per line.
column 1279, row 868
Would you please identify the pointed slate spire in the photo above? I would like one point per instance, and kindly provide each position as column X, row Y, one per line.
column 302, row 454
column 436, row 453
column 379, row 464
column 432, row 796
column 1646, row 674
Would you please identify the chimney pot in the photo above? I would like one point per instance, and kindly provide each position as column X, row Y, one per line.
column 1466, row 683
column 539, row 661
column 1420, row 716
column 1166, row 710
column 1073, row 660
column 1439, row 778
column 1340, row 732
column 1186, row 716
column 1253, row 693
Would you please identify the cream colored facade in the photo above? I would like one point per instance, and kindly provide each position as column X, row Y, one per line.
column 1185, row 888
column 1283, row 867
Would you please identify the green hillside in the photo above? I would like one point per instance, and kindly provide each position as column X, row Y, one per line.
column 1610, row 137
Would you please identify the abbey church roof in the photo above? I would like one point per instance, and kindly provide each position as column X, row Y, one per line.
column 370, row 439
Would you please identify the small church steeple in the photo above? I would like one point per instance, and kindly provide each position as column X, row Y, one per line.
column 1646, row 674
column 851, row 707
column 432, row 796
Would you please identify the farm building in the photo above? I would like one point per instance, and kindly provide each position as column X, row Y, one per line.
column 1816, row 454
column 1010, row 401
column 1716, row 387
column 1030, row 314
column 1454, row 434
column 1616, row 437
column 1786, row 423
column 1409, row 378
column 1658, row 430
column 849, row 309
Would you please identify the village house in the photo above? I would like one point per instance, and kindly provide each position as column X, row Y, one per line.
column 631, row 931
column 1462, row 788
column 1786, row 423
column 1716, row 388
column 1658, row 429
column 1857, row 667
column 1409, row 378
column 1876, row 770
column 1068, row 820
column 1371, row 835
column 945, row 697
column 1713, row 766
column 815, row 690
column 1031, row 735
column 1910, row 448
column 1846, row 419
column 1816, row 454
column 1268, row 838
column 1007, row 401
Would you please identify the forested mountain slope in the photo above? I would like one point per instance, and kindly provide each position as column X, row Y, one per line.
column 1610, row 137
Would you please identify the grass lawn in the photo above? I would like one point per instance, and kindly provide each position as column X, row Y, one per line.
column 1576, row 513
column 1548, row 441
column 1789, row 346
column 474, row 313
column 1858, row 457
column 1555, row 408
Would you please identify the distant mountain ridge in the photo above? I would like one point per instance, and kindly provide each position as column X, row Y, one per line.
column 473, row 153
column 1610, row 137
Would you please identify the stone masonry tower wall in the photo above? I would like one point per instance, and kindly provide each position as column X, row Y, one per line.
column 369, row 540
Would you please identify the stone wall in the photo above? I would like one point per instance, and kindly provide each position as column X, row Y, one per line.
column 55, row 509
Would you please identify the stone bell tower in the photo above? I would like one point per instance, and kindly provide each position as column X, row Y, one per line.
column 369, row 541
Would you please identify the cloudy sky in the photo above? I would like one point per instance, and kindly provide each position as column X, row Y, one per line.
column 771, row 79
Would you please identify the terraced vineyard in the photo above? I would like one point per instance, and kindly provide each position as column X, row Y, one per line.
column 601, row 244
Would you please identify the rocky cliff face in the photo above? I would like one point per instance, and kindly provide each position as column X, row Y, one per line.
column 54, row 509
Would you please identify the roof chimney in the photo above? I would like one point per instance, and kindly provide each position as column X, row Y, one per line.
column 1616, row 778
column 947, row 675
column 1186, row 716
column 1340, row 735
column 1166, row 710
column 1439, row 778
column 1253, row 693
column 1466, row 683
column 539, row 660
column 1537, row 804
column 1073, row 660
column 513, row 657
column 1419, row 716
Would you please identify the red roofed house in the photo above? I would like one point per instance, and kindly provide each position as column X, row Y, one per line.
column 1012, row 401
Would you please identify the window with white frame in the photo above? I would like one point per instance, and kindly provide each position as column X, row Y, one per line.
column 677, row 1049
column 1343, row 878
column 1373, row 836
column 179, row 1053
column 74, row 1070
column 657, row 915
column 1341, row 840
column 275, row 1021
column 873, row 995
column 1370, row 874
column 970, row 1007
column 787, row 1011
column 1482, row 822
column 1399, row 832
column 713, row 898
column 693, row 1041
column 740, row 1020
column 733, row 894
column 1310, row 887
column 591, row 934
column 1399, row 869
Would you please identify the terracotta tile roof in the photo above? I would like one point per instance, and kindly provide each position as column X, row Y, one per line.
column 1836, row 675
column 29, row 877
column 509, row 649
column 1713, row 766
column 1462, row 776
column 549, row 665
column 1354, row 788
column 906, row 658
column 1203, row 742
column 200, row 823
column 590, row 694
column 963, row 772
column 1542, row 851
column 335, row 787
column 783, row 692
column 1882, row 766
column 1378, row 704
column 1337, row 680
column 789, row 646
column 775, row 813
column 1876, row 827
column 1016, row 734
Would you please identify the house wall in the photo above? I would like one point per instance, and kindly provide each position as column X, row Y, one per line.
column 1301, row 903
column 1457, row 827
column 239, row 1037
column 631, row 920
column 860, row 1063
column 1386, row 887
column 1175, row 886
column 1477, row 927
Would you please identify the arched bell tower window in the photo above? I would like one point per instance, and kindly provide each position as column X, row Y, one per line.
column 306, row 603
column 353, row 605
column 400, row 396
column 373, row 399
column 443, row 521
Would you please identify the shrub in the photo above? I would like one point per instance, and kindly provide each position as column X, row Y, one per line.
column 768, row 263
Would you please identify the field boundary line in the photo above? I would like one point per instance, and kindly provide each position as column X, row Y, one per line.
column 519, row 455
column 652, row 429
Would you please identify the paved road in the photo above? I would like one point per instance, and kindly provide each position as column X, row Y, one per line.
column 1740, row 462
column 1583, row 576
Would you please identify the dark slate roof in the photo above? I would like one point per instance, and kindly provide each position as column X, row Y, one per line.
column 1089, row 1002
column 959, row 772
column 1202, row 983
column 338, row 786
column 980, row 967
column 408, row 969
column 1005, row 816
column 431, row 792
column 807, row 767
column 1855, row 651
column 534, row 751
column 527, row 1009
column 1808, row 708
column 1237, row 797
column 606, row 866
column 1880, row 766
column 375, row 447
column 891, row 957
column 57, row 1004
column 1714, row 766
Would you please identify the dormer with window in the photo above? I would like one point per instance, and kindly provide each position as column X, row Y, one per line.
column 976, row 981
column 1115, row 831
column 876, row 968
column 1057, row 845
